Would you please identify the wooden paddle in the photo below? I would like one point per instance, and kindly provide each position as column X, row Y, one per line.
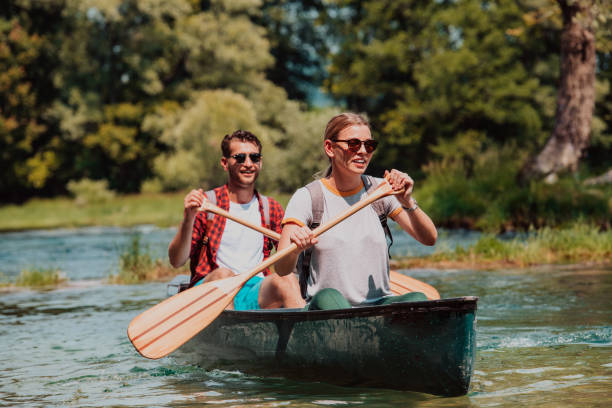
column 399, row 283
column 158, row 331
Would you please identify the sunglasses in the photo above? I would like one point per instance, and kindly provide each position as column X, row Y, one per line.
column 354, row 145
column 241, row 157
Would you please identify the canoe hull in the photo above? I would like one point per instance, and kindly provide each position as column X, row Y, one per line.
column 424, row 346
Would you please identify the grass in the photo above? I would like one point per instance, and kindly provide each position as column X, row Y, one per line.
column 162, row 210
column 40, row 278
column 136, row 265
column 579, row 243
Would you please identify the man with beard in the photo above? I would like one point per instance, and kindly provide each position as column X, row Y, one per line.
column 219, row 248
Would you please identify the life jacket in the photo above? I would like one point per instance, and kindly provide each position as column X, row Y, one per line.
column 316, row 196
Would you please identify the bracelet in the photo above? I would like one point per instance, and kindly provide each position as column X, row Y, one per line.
column 410, row 209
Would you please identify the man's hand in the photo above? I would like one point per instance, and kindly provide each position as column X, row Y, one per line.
column 193, row 201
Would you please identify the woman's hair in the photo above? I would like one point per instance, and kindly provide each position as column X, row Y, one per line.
column 337, row 124
column 341, row 121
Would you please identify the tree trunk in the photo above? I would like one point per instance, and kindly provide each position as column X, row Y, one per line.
column 576, row 95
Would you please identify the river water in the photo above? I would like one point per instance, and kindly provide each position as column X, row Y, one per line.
column 544, row 335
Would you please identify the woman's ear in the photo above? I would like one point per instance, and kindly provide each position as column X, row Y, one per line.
column 328, row 146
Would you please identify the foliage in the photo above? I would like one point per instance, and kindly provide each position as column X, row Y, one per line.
column 27, row 156
column 87, row 191
column 126, row 79
column 474, row 186
column 298, row 43
column 579, row 242
column 136, row 265
column 140, row 94
column 40, row 278
column 427, row 72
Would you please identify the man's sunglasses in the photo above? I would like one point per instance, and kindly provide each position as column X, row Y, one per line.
column 354, row 145
column 241, row 157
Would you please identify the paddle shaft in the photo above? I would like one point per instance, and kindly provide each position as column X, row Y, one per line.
column 208, row 206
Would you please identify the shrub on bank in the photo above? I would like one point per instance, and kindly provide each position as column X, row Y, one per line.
column 580, row 242
column 136, row 265
column 86, row 191
column 40, row 278
column 480, row 191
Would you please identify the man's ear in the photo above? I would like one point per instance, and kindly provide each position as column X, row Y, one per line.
column 224, row 163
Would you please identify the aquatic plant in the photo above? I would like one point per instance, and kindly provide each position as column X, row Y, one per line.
column 40, row 277
column 136, row 265
column 578, row 243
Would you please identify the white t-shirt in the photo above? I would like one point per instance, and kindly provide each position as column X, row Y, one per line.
column 352, row 256
column 241, row 248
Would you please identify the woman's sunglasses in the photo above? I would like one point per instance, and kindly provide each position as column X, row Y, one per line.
column 241, row 157
column 354, row 145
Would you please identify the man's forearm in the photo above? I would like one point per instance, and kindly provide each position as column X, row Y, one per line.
column 178, row 251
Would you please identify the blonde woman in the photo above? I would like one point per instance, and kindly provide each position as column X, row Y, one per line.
column 349, row 264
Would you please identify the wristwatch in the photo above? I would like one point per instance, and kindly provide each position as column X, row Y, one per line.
column 413, row 208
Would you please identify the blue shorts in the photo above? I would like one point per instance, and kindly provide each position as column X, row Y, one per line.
column 247, row 297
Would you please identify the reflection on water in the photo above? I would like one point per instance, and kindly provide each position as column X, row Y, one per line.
column 544, row 338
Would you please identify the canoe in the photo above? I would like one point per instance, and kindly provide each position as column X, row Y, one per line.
column 425, row 346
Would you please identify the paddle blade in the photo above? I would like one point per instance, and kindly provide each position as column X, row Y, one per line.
column 401, row 284
column 163, row 328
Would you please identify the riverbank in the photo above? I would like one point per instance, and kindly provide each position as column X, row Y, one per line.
column 161, row 209
column 575, row 244
column 578, row 243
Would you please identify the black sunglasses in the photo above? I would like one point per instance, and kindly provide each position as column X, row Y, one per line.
column 354, row 145
column 241, row 157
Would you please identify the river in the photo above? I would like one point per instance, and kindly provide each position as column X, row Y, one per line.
column 544, row 335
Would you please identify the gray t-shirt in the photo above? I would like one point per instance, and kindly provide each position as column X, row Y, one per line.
column 352, row 256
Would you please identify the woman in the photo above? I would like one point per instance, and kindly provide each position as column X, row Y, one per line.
column 349, row 264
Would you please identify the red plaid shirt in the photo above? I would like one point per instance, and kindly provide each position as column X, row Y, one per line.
column 206, row 237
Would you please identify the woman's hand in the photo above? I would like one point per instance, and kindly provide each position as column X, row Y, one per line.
column 302, row 237
column 398, row 181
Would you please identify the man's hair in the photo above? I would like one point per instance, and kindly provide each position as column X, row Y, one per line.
column 243, row 136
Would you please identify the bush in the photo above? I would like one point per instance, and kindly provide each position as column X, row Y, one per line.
column 136, row 265
column 40, row 277
column 479, row 191
column 86, row 191
column 152, row 186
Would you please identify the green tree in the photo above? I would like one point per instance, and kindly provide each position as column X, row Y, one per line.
column 299, row 44
column 118, row 60
column 576, row 93
column 429, row 73
column 28, row 158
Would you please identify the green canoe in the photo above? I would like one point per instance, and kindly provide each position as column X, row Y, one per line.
column 425, row 346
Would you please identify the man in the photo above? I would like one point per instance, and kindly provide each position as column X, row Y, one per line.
column 219, row 248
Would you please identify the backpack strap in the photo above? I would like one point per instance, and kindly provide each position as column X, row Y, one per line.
column 303, row 263
column 370, row 184
column 265, row 202
column 212, row 197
